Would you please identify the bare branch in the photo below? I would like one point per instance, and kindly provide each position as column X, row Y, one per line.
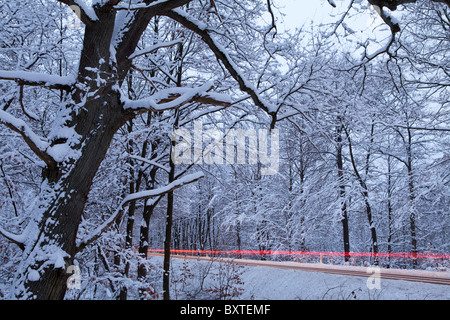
column 272, row 27
column 434, row 128
column 150, row 4
column 9, row 190
column 24, row 110
column 154, row 48
column 341, row 20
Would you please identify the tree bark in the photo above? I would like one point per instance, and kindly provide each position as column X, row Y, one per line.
column 389, row 207
column 342, row 193
column 95, row 118
column 168, row 235
column 67, row 188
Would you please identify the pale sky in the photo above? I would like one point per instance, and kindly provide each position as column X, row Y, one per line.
column 299, row 12
column 302, row 12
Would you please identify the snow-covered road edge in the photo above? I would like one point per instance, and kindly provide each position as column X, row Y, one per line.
column 268, row 283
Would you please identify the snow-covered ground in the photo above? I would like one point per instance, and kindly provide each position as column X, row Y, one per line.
column 273, row 284
column 193, row 278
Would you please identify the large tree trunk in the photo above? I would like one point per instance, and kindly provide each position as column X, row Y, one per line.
column 95, row 114
column 62, row 203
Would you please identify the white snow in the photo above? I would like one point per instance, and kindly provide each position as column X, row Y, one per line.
column 23, row 128
column 58, row 259
column 198, row 23
column 183, row 95
column 18, row 238
column 282, row 284
column 155, row 47
column 33, row 275
column 88, row 10
column 138, row 5
column 37, row 77
column 268, row 283
column 332, row 3
column 203, row 27
column 162, row 190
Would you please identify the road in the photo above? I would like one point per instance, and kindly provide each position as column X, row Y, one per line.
column 442, row 278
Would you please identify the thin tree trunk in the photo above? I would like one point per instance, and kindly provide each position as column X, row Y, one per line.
column 412, row 197
column 169, row 217
column 365, row 195
column 145, row 228
column 342, row 193
column 389, row 205
column 168, row 235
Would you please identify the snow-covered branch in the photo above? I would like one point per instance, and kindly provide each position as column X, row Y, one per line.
column 157, row 5
column 135, row 197
column 128, row 31
column 426, row 128
column 82, row 10
column 172, row 98
column 150, row 162
column 388, row 19
column 37, row 144
column 155, row 47
column 38, row 79
column 17, row 239
column 201, row 29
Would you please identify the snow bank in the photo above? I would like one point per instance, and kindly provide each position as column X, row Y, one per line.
column 266, row 283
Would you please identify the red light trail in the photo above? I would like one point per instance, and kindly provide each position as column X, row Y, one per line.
column 410, row 255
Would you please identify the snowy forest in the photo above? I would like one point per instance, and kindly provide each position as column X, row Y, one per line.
column 97, row 96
